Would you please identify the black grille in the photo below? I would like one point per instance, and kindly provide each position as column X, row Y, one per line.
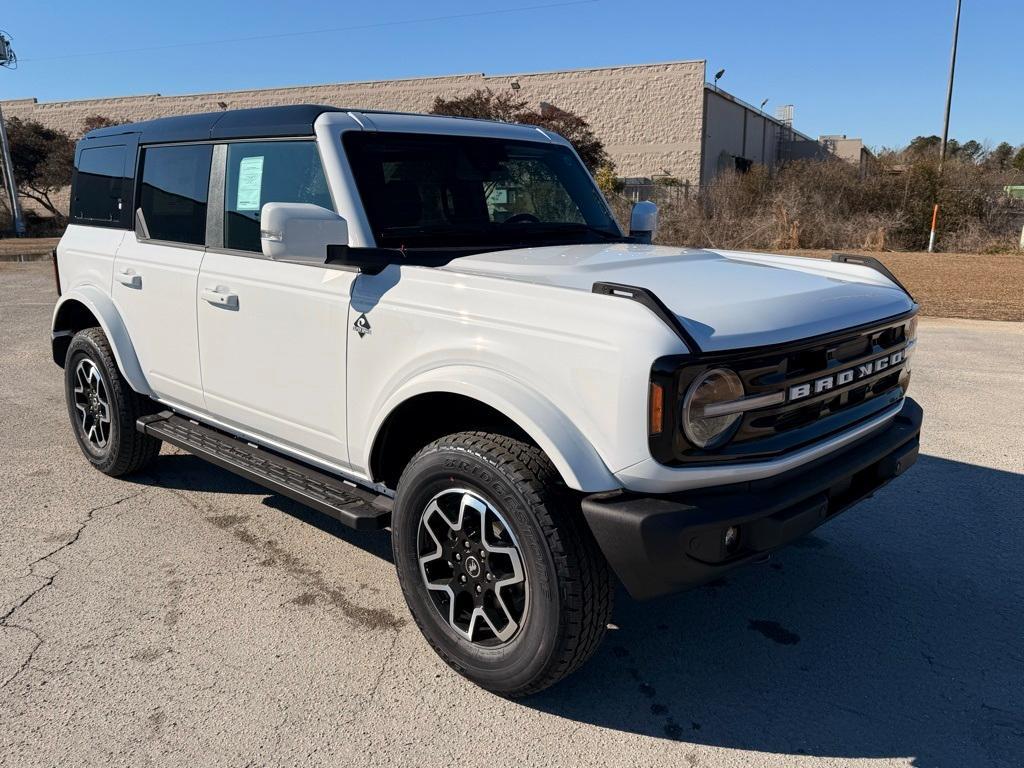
column 780, row 428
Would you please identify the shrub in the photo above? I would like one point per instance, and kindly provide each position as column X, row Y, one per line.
column 831, row 205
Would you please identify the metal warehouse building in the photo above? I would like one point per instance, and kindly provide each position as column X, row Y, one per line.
column 655, row 119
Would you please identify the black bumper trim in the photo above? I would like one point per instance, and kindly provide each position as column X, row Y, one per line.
column 662, row 544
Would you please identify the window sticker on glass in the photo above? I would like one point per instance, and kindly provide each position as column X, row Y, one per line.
column 250, row 180
column 498, row 196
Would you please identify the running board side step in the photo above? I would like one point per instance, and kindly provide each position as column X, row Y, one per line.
column 349, row 504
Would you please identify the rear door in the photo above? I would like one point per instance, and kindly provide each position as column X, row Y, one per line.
column 100, row 210
column 157, row 268
column 272, row 335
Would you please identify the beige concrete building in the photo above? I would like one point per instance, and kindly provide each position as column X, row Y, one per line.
column 849, row 150
column 655, row 119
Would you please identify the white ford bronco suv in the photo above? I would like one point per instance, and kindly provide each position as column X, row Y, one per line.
column 434, row 325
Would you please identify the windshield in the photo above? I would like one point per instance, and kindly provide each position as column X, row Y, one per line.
column 432, row 191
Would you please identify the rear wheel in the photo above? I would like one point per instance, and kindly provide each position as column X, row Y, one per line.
column 496, row 564
column 103, row 407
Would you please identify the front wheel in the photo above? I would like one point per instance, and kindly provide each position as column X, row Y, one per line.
column 496, row 564
column 103, row 407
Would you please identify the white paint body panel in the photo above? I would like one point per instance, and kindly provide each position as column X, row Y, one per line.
column 725, row 299
column 159, row 312
column 571, row 367
column 274, row 363
column 85, row 258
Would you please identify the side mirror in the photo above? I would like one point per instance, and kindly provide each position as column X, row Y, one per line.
column 300, row 232
column 643, row 221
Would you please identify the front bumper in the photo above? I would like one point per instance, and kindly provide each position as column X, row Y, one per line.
column 667, row 543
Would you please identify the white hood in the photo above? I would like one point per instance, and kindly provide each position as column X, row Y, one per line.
column 725, row 299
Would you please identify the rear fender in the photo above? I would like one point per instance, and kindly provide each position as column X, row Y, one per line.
column 109, row 319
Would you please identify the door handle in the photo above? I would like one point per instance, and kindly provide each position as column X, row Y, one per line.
column 130, row 278
column 220, row 297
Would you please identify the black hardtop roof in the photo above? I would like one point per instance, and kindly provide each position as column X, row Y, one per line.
column 255, row 123
column 292, row 120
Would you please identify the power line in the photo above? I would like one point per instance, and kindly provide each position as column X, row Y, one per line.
column 375, row 25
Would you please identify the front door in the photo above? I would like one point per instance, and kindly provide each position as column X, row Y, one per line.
column 157, row 267
column 272, row 334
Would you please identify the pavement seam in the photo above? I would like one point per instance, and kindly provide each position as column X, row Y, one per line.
column 47, row 581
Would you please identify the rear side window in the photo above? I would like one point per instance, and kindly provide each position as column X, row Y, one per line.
column 99, row 185
column 261, row 172
column 174, row 191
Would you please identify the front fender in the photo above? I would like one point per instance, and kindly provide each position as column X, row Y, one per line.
column 572, row 454
column 103, row 309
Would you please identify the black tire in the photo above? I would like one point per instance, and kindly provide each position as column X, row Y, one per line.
column 117, row 447
column 568, row 588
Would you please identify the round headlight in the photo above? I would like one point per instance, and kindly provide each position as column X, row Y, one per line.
column 718, row 385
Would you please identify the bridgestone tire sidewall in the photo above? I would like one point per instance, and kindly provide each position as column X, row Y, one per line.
column 513, row 665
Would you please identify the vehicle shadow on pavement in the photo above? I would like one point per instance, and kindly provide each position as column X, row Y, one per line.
column 185, row 472
column 895, row 631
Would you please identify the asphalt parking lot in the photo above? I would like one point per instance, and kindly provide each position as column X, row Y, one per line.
column 186, row 617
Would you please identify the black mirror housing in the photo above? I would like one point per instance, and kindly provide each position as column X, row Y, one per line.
column 368, row 261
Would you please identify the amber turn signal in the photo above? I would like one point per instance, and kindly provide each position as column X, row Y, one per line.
column 657, row 409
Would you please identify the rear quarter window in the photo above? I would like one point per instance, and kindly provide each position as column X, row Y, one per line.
column 99, row 190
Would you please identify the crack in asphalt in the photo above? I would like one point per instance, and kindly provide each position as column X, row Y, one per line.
column 47, row 581
column 384, row 665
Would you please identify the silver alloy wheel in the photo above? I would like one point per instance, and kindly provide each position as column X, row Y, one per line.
column 92, row 403
column 471, row 566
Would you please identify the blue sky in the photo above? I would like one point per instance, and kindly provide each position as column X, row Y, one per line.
column 875, row 68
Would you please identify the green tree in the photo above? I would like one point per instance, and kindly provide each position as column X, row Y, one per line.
column 484, row 103
column 971, row 151
column 999, row 159
column 1018, row 160
column 924, row 145
column 42, row 159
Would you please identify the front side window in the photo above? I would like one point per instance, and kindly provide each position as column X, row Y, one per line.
column 99, row 182
column 261, row 172
column 174, row 191
column 433, row 191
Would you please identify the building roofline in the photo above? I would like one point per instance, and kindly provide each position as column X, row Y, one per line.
column 303, row 86
column 729, row 97
column 596, row 69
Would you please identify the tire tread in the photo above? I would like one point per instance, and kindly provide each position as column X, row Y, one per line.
column 134, row 451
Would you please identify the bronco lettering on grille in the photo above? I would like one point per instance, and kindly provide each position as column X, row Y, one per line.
column 845, row 377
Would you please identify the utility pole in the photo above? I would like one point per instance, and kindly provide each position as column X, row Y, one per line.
column 945, row 124
column 9, row 61
column 12, row 187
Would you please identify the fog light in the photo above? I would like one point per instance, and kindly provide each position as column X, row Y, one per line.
column 731, row 539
